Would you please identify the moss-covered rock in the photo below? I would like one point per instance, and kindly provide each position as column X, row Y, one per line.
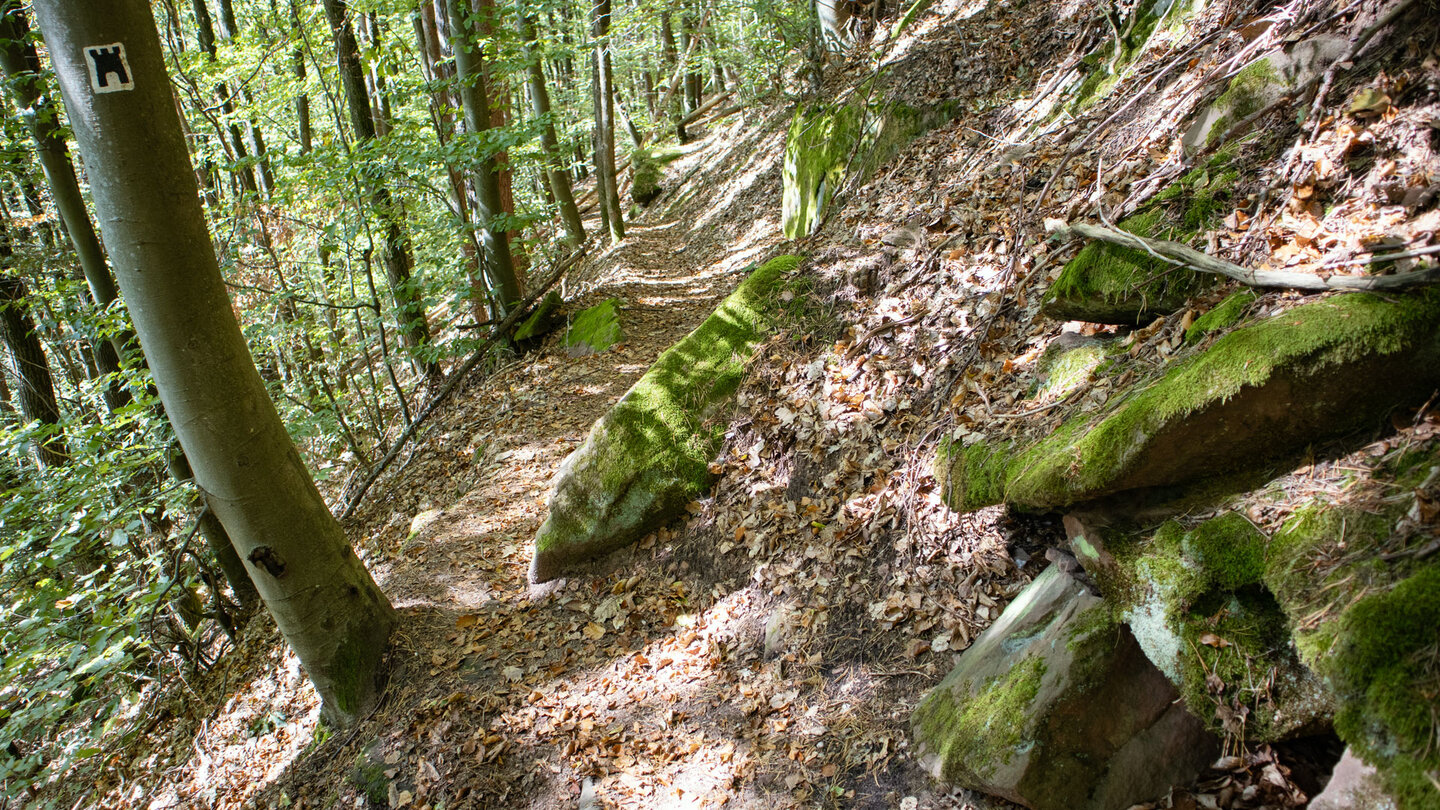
column 543, row 320
column 1258, row 395
column 645, row 174
column 1195, row 603
column 1108, row 283
column 1054, row 706
column 1365, row 618
column 595, row 329
column 1260, row 83
column 649, row 455
column 829, row 142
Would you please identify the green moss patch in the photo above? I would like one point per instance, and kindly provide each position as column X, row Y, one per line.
column 1367, row 625
column 650, row 454
column 1223, row 316
column 1108, row 283
column 983, row 732
column 595, row 329
column 829, row 142
column 1256, row 396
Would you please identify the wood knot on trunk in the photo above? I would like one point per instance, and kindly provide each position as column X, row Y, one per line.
column 266, row 558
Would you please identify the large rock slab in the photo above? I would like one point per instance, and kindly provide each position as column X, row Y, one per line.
column 1260, row 394
column 1056, row 707
column 650, row 454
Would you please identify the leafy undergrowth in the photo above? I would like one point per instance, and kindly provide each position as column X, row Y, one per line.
column 767, row 651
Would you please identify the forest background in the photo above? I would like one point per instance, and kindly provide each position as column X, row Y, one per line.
column 384, row 182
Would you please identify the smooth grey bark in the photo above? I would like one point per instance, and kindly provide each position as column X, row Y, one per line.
column 608, row 187
column 475, row 101
column 323, row 600
column 559, row 181
column 410, row 310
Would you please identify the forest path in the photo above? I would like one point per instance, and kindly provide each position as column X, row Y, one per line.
column 513, row 699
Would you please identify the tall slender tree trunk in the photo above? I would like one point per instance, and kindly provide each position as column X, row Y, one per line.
column 475, row 100
column 33, row 380
column 559, row 181
column 609, row 187
column 324, row 601
column 302, row 99
column 410, row 311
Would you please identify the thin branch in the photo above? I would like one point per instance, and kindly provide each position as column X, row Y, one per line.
column 452, row 384
column 1176, row 253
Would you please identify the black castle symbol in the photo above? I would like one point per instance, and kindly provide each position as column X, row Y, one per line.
column 107, row 61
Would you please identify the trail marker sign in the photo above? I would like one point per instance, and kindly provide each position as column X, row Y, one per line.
column 109, row 69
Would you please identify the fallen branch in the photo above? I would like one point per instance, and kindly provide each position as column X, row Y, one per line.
column 501, row 330
column 1176, row 253
column 699, row 111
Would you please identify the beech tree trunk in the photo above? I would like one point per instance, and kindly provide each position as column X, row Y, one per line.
column 106, row 55
column 410, row 311
column 609, row 187
column 475, row 100
column 559, row 181
column 33, row 380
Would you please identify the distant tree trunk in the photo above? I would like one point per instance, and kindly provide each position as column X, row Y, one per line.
column 205, row 38
column 475, row 100
column 323, row 600
column 302, row 99
column 497, row 92
column 669, row 55
column 22, row 68
column 559, row 181
column 34, row 382
column 605, row 122
column 410, row 311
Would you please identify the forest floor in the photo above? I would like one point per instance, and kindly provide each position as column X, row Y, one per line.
column 766, row 651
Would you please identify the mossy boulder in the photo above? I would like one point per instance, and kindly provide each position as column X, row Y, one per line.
column 1113, row 284
column 544, row 320
column 650, row 454
column 645, row 174
column 1259, row 395
column 830, row 141
column 1055, row 706
column 1261, row 83
column 595, row 329
column 1195, row 601
column 1364, row 607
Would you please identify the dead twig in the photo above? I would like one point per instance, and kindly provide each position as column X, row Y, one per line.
column 497, row 334
column 1178, row 254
